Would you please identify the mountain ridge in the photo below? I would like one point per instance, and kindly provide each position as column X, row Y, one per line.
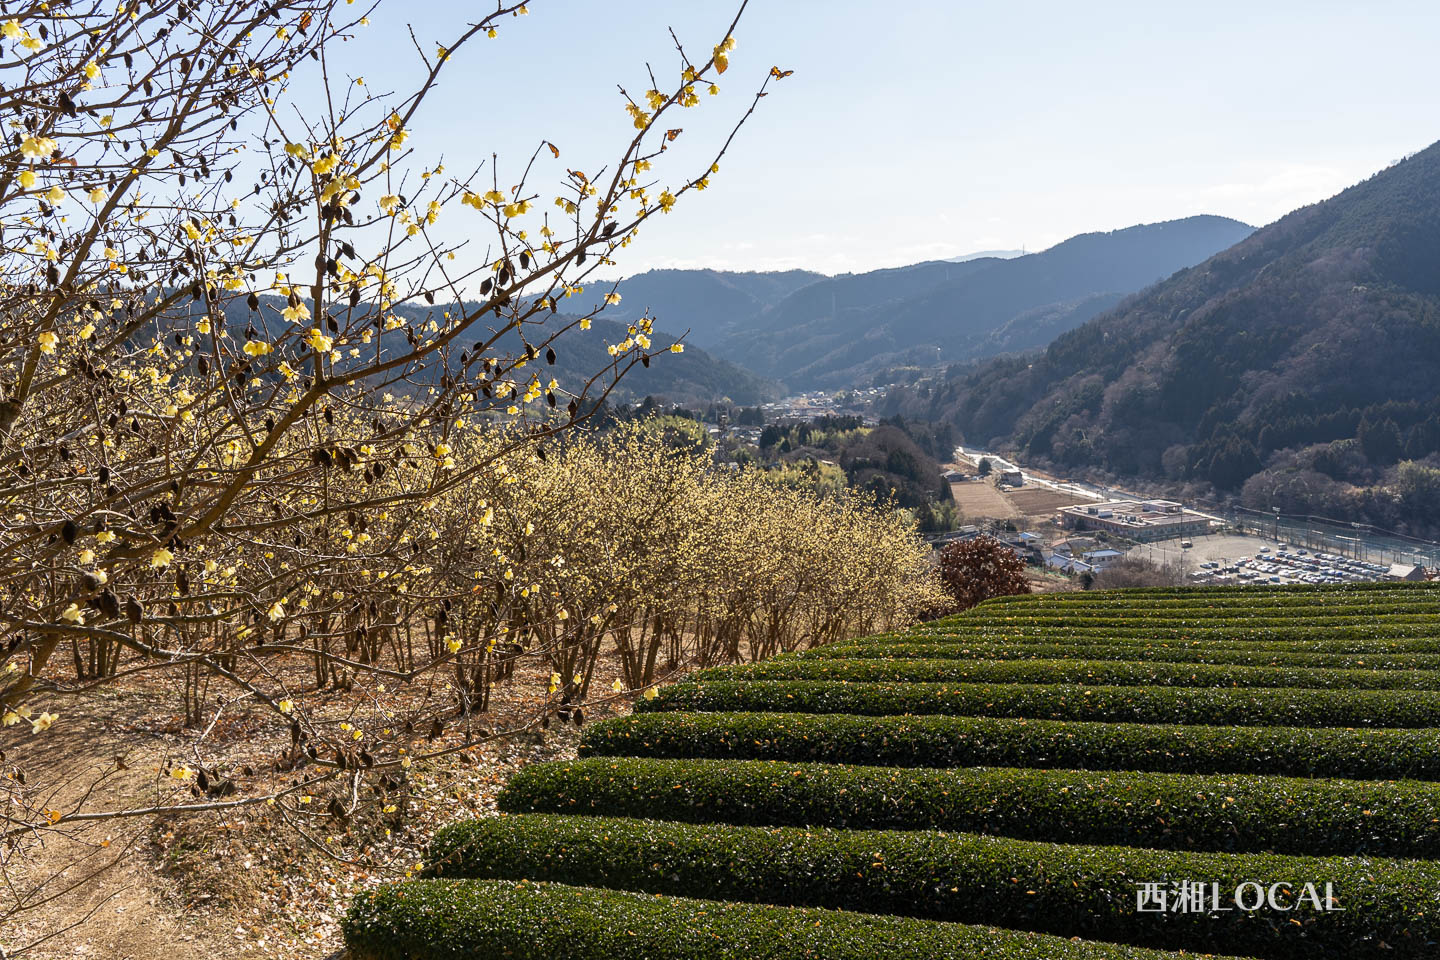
column 838, row 331
column 1296, row 336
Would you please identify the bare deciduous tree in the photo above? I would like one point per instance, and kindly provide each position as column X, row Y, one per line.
column 237, row 363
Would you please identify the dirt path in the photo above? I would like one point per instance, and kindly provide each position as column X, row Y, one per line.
column 120, row 906
column 227, row 884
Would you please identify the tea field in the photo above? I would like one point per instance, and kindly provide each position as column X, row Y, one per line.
column 1239, row 772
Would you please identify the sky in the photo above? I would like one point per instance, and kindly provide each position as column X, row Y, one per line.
column 935, row 128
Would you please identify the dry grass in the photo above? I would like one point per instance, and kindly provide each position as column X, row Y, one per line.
column 244, row 883
column 979, row 500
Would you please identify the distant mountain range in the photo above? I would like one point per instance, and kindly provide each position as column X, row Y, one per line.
column 811, row 331
column 704, row 305
column 693, row 377
column 1319, row 331
column 992, row 254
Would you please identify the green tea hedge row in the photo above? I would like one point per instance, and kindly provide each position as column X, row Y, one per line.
column 1172, row 811
column 1252, row 590
column 1206, row 616
column 1347, row 641
column 1153, row 652
column 1236, row 593
column 1216, row 599
column 1198, row 614
column 1210, row 602
column 1088, row 672
column 1187, row 705
column 1383, row 628
column 939, row 741
column 1085, row 891
column 453, row 919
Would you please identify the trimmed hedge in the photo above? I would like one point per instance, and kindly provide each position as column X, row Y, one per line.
column 1085, row 891
column 1359, row 587
column 1227, row 706
column 1155, row 652
column 1087, row 672
column 1423, row 615
column 1217, row 600
column 454, row 919
column 1236, row 593
column 1380, row 636
column 938, row 741
column 1171, row 811
column 1141, row 640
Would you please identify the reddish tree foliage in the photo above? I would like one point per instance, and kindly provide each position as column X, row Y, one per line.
column 978, row 569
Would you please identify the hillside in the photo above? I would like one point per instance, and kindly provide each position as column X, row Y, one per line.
column 839, row 331
column 692, row 377
column 707, row 303
column 895, row 462
column 1003, row 784
column 1320, row 329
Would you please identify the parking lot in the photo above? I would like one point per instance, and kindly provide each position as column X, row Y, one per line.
column 1240, row 559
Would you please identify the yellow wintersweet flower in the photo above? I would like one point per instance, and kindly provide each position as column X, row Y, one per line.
column 48, row 342
column 161, row 558
column 651, row 693
column 43, row 722
column 317, row 339
column 27, row 179
column 37, row 148
column 296, row 313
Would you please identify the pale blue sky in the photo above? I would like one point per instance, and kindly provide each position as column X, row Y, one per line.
column 928, row 129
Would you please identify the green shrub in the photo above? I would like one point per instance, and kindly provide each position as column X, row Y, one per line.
column 1239, row 594
column 1085, row 891
column 1204, row 617
column 472, row 919
column 1088, row 672
column 1152, row 652
column 1377, row 636
column 1189, row 812
column 938, row 741
column 1227, row 706
column 1352, row 642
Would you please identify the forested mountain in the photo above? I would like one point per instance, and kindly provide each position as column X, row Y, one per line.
column 1312, row 346
column 691, row 377
column 838, row 331
column 707, row 303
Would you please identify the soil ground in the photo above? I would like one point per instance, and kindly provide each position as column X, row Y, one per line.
column 237, row 883
column 979, row 500
column 1039, row 501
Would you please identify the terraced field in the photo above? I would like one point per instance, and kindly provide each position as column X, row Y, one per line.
column 1243, row 772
